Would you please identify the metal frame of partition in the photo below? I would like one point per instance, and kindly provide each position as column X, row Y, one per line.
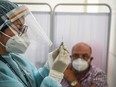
column 92, row 4
column 52, row 17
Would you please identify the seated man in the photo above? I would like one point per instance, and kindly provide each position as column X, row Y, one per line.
column 80, row 72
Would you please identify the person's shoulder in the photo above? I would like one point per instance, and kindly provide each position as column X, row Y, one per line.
column 99, row 77
column 22, row 56
column 23, row 61
column 19, row 57
column 95, row 71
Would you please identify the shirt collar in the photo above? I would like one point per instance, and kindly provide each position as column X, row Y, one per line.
column 87, row 74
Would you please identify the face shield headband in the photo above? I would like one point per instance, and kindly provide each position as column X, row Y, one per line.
column 19, row 18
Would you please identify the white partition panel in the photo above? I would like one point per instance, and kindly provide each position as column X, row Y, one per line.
column 91, row 28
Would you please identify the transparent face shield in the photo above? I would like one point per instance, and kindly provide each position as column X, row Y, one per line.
column 21, row 22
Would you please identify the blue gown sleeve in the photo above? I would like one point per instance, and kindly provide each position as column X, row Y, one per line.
column 43, row 80
column 40, row 74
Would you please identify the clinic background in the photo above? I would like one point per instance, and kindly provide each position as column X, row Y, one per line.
column 110, row 65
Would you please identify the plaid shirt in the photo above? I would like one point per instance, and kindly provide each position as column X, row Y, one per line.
column 95, row 76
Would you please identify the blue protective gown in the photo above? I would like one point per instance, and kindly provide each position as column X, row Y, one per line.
column 37, row 78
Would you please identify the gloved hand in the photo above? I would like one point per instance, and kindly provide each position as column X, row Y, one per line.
column 60, row 64
column 51, row 57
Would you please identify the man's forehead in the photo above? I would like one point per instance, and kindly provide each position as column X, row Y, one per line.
column 81, row 47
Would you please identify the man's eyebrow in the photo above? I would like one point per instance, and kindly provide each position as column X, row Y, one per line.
column 75, row 54
column 85, row 54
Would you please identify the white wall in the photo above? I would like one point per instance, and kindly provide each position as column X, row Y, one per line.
column 112, row 52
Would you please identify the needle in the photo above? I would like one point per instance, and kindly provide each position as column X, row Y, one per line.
column 61, row 43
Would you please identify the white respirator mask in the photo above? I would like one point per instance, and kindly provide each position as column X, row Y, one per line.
column 17, row 44
column 80, row 64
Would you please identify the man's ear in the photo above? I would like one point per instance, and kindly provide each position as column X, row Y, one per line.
column 90, row 60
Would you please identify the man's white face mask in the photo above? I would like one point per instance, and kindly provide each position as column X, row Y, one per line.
column 80, row 64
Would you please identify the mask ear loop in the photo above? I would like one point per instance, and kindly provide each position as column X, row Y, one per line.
column 5, row 35
column 14, row 29
column 11, row 28
column 2, row 44
column 89, row 61
column 8, row 23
